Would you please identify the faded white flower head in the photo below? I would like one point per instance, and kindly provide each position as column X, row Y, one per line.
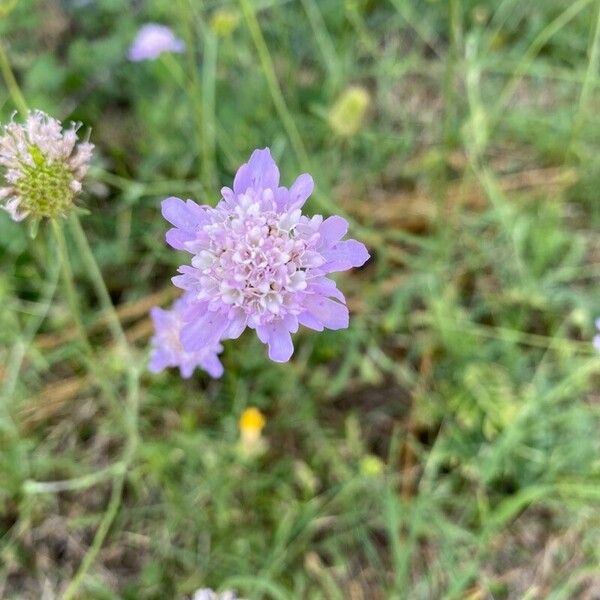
column 208, row 594
column 44, row 166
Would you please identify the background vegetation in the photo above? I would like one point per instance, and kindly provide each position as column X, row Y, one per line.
column 446, row 445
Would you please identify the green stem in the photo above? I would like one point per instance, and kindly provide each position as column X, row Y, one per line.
column 11, row 82
column 194, row 87
column 209, row 74
column 324, row 41
column 450, row 96
column 71, row 295
column 362, row 33
column 132, row 406
column 76, row 483
column 536, row 46
column 590, row 73
column 101, row 533
column 274, row 87
column 19, row 349
column 117, row 488
column 99, row 285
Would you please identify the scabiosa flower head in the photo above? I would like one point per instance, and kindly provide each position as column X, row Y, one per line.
column 596, row 341
column 44, row 166
column 258, row 262
column 166, row 346
column 208, row 594
column 152, row 40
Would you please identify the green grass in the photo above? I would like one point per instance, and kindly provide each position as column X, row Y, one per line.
column 468, row 369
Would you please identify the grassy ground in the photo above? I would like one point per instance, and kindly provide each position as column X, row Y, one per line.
column 446, row 445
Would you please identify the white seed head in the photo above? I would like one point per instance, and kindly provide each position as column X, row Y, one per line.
column 44, row 166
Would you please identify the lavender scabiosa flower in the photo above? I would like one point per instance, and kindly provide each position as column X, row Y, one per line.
column 152, row 40
column 166, row 346
column 44, row 166
column 258, row 262
column 596, row 340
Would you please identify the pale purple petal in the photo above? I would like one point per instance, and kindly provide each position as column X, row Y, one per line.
column 159, row 361
column 175, row 211
column 309, row 320
column 282, row 198
column 330, row 313
column 326, row 287
column 259, row 173
column 228, row 196
column 213, row 366
column 300, row 191
column 183, row 215
column 186, row 370
column 332, row 230
column 596, row 342
column 178, row 238
column 290, row 322
column 159, row 316
column 205, row 332
column 343, row 256
column 193, row 308
column 188, row 280
column 236, row 326
column 262, row 332
column 188, row 219
column 279, row 340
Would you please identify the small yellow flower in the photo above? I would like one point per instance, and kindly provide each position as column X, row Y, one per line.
column 252, row 420
column 224, row 22
column 347, row 114
column 251, row 423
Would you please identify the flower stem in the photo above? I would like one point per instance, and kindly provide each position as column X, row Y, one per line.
column 132, row 402
column 209, row 68
column 11, row 82
column 99, row 285
column 77, row 483
column 71, row 295
column 273, row 84
column 20, row 348
column 107, row 520
column 117, row 489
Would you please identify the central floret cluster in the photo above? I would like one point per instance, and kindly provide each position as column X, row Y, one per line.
column 258, row 262
column 255, row 259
